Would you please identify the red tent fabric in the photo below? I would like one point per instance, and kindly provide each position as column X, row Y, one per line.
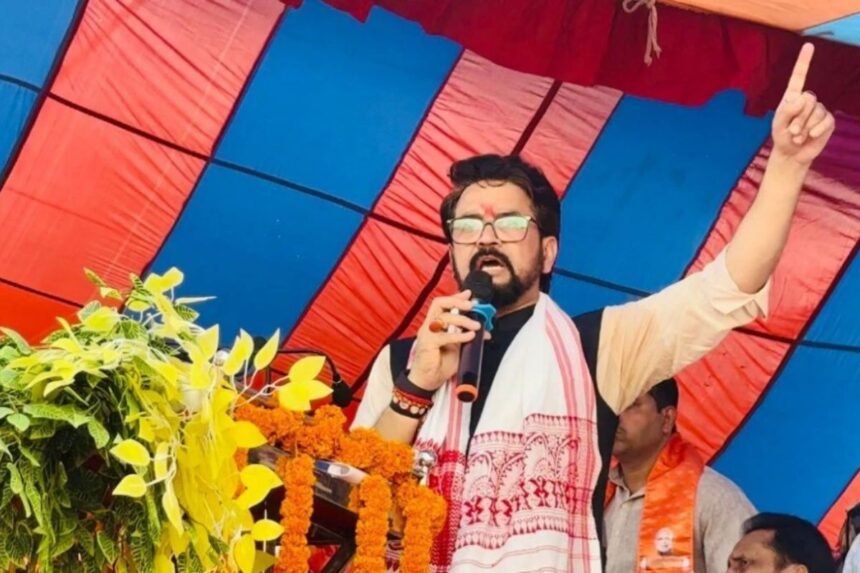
column 596, row 42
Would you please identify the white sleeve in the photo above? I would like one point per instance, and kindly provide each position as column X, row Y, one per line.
column 377, row 394
column 852, row 560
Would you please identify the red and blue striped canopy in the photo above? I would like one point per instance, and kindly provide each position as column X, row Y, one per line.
column 291, row 160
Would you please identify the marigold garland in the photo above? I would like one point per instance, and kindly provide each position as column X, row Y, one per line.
column 424, row 513
column 371, row 532
column 389, row 465
column 296, row 510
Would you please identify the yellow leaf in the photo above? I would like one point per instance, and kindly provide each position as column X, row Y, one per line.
column 259, row 480
column 292, row 398
column 137, row 305
column 171, row 508
column 161, row 458
column 297, row 396
column 108, row 292
column 109, row 356
column 223, row 399
column 263, row 562
column 208, row 342
column 251, row 497
column 25, row 362
column 102, row 320
column 56, row 385
column 157, row 284
column 131, row 486
column 178, row 540
column 65, row 324
column 131, row 452
column 245, row 345
column 307, row 368
column 168, row 371
column 163, row 564
column 247, row 435
column 266, row 530
column 258, row 475
column 67, row 344
column 267, row 353
column 173, row 277
column 240, row 352
column 145, row 431
column 244, row 553
column 41, row 378
column 199, row 376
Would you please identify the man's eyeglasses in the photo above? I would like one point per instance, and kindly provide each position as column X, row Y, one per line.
column 508, row 228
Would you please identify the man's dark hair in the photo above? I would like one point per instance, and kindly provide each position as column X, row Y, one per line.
column 665, row 394
column 795, row 541
column 510, row 168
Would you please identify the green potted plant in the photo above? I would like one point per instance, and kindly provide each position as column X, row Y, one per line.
column 118, row 445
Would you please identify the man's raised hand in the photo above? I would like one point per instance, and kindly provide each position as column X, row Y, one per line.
column 802, row 125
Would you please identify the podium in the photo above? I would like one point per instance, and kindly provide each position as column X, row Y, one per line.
column 333, row 523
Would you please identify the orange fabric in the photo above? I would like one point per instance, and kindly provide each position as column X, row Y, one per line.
column 820, row 241
column 787, row 14
column 668, row 518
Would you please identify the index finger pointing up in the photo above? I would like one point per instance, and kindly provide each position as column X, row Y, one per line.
column 798, row 75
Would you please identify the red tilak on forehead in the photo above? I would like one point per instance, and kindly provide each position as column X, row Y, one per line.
column 489, row 210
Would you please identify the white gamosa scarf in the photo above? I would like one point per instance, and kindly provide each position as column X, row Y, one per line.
column 520, row 498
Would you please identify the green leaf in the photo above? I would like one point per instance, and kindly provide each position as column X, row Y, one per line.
column 15, row 481
column 107, row 546
column 186, row 312
column 64, row 413
column 20, row 544
column 17, row 340
column 33, row 489
column 142, row 552
column 88, row 564
column 30, row 455
column 4, row 411
column 94, row 278
column 43, row 431
column 63, row 544
column 6, row 495
column 88, row 310
column 132, row 330
column 87, row 541
column 100, row 435
column 20, row 421
column 8, row 353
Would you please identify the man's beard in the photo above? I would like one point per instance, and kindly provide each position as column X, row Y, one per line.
column 509, row 293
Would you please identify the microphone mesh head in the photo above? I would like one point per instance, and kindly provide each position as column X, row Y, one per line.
column 481, row 285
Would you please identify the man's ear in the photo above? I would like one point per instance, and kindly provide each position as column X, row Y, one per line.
column 796, row 568
column 549, row 245
column 670, row 418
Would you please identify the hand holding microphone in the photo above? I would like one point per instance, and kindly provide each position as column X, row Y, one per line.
column 454, row 325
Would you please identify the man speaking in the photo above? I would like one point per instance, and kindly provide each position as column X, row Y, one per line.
column 523, row 462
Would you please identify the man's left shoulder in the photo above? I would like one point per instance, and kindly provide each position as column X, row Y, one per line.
column 718, row 493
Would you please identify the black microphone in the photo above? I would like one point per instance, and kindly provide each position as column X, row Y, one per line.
column 472, row 353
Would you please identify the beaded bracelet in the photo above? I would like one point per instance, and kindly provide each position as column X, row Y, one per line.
column 408, row 405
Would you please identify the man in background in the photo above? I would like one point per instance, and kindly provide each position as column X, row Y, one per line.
column 778, row 542
column 665, row 509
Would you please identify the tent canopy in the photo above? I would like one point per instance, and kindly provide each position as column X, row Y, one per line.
column 291, row 160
